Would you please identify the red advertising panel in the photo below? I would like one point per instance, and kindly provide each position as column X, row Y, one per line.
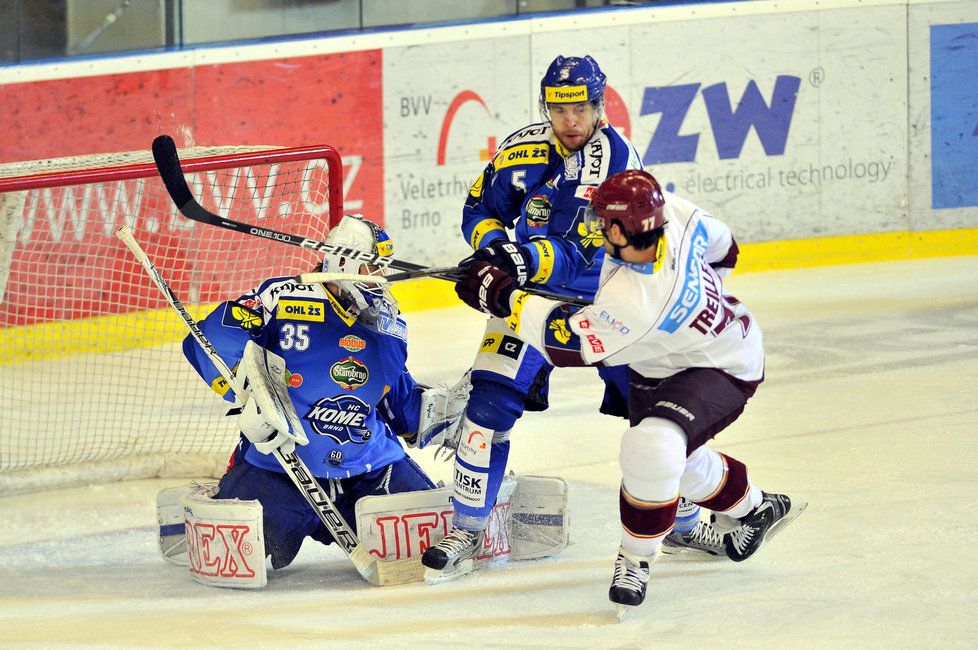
column 333, row 99
column 66, row 263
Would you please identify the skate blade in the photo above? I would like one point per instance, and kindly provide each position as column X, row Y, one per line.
column 439, row 576
column 691, row 552
column 779, row 525
column 621, row 610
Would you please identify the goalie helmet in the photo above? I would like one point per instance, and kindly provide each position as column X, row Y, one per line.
column 570, row 80
column 360, row 296
column 634, row 200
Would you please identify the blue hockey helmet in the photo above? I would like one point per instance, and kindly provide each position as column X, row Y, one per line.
column 570, row 80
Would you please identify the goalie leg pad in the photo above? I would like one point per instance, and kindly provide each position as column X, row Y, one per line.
column 224, row 543
column 530, row 521
column 403, row 525
column 539, row 519
column 172, row 536
column 225, row 540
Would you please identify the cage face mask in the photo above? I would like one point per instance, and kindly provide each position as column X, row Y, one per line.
column 356, row 233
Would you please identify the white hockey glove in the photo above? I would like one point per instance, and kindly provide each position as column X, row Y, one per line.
column 442, row 408
column 268, row 418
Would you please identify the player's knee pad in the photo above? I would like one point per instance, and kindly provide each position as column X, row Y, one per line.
column 652, row 457
column 703, row 473
column 494, row 406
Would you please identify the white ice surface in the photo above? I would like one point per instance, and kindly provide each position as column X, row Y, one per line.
column 869, row 412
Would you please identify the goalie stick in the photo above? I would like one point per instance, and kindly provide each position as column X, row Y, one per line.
column 375, row 572
column 171, row 171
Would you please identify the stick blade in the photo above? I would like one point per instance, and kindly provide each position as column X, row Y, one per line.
column 168, row 165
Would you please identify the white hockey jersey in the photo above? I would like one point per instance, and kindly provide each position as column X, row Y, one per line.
column 658, row 318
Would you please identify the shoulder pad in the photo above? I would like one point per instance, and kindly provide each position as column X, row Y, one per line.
column 270, row 290
column 539, row 132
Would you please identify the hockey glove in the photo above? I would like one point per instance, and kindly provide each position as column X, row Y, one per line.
column 442, row 408
column 487, row 289
column 262, row 433
column 268, row 418
column 511, row 258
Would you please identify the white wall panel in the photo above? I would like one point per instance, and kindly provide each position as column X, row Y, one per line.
column 476, row 92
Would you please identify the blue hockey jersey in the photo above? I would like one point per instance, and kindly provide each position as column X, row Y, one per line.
column 539, row 190
column 342, row 372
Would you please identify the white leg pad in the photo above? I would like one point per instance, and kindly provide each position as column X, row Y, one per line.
column 529, row 521
column 538, row 519
column 224, row 543
column 403, row 525
column 172, row 532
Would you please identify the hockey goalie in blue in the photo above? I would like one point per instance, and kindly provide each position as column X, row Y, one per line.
column 345, row 349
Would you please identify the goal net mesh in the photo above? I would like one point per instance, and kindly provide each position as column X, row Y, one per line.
column 93, row 383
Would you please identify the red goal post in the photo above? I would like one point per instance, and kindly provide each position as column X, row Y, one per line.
column 93, row 383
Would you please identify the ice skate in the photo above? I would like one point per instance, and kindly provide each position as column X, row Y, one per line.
column 629, row 581
column 760, row 525
column 452, row 557
column 702, row 539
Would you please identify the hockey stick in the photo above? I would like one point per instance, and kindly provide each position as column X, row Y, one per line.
column 325, row 276
column 171, row 171
column 375, row 572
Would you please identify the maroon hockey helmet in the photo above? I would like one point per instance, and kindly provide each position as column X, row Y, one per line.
column 633, row 198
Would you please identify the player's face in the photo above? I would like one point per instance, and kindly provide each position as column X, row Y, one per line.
column 573, row 124
column 370, row 269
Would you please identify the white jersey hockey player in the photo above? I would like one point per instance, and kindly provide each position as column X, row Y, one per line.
column 695, row 357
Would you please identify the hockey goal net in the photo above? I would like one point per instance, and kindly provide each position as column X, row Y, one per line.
column 93, row 383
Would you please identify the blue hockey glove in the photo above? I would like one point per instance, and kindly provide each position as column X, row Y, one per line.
column 512, row 259
column 486, row 288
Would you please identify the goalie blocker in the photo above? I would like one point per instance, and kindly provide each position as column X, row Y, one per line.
column 221, row 541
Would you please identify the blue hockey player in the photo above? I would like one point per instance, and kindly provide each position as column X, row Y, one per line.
column 534, row 191
column 345, row 348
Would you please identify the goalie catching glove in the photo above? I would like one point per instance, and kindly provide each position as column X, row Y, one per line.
column 268, row 419
column 442, row 408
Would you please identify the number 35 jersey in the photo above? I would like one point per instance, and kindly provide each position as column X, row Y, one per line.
column 341, row 368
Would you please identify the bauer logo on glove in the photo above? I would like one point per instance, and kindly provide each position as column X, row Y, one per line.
column 487, row 289
column 510, row 258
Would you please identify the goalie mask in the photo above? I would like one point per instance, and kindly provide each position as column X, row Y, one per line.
column 359, row 297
